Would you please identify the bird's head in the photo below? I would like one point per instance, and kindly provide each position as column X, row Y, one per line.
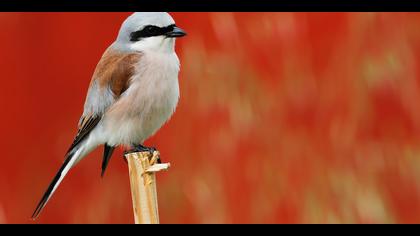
column 149, row 31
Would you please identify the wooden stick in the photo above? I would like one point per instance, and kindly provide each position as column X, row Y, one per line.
column 142, row 168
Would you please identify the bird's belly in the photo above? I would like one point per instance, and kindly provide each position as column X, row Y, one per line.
column 141, row 112
column 158, row 108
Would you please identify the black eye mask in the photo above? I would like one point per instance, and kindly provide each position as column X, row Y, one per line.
column 150, row 31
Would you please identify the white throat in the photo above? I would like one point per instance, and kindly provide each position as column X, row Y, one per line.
column 159, row 44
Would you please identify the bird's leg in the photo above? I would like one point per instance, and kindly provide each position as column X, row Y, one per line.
column 141, row 148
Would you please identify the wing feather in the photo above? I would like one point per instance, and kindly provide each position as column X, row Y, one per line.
column 111, row 79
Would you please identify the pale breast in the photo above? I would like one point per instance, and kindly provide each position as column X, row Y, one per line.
column 148, row 103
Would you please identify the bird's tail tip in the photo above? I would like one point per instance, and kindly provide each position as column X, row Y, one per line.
column 35, row 214
column 68, row 163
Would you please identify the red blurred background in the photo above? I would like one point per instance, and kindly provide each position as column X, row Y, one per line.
column 283, row 118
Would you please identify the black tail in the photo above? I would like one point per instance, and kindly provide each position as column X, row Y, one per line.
column 108, row 150
column 88, row 124
column 50, row 189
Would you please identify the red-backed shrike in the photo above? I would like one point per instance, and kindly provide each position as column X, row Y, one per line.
column 133, row 92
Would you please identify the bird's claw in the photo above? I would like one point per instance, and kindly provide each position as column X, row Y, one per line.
column 141, row 148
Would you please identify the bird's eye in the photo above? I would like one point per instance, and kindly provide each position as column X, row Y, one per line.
column 147, row 31
column 150, row 29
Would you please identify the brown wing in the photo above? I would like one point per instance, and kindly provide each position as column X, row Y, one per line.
column 113, row 73
column 111, row 79
column 115, row 70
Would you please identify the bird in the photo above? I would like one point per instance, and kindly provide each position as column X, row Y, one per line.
column 133, row 92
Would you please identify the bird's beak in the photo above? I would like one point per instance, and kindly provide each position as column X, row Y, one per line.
column 176, row 33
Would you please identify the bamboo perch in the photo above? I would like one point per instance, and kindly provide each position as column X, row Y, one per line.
column 142, row 167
